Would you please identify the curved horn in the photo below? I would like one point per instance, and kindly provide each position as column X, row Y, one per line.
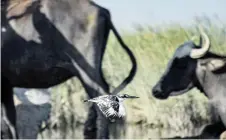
column 205, row 46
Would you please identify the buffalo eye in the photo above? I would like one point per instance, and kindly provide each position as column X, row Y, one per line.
column 180, row 63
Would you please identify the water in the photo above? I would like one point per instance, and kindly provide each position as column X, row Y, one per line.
column 33, row 107
column 118, row 131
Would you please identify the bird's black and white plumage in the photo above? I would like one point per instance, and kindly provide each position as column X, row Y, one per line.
column 111, row 105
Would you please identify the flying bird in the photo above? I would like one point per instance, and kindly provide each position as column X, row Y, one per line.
column 111, row 105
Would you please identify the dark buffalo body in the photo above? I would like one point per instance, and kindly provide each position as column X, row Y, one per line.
column 46, row 42
column 195, row 66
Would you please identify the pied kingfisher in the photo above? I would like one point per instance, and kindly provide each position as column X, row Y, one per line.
column 111, row 105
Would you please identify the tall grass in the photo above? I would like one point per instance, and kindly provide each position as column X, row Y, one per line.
column 152, row 47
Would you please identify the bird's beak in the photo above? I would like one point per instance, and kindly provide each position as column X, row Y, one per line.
column 132, row 97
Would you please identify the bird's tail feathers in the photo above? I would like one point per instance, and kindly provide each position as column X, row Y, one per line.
column 90, row 100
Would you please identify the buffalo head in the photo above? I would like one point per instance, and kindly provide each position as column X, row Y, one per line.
column 181, row 72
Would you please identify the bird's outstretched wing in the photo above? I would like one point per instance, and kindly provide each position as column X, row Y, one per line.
column 97, row 99
column 109, row 109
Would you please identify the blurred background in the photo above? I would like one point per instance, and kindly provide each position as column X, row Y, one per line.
column 153, row 29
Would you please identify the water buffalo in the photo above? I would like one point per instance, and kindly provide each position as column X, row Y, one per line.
column 46, row 42
column 195, row 66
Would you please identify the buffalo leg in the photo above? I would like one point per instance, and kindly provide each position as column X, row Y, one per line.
column 102, row 126
column 94, row 85
column 90, row 124
column 8, row 111
column 96, row 125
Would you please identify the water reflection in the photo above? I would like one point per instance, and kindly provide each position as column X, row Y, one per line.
column 33, row 107
column 120, row 131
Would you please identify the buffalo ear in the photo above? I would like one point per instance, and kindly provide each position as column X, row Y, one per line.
column 215, row 64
